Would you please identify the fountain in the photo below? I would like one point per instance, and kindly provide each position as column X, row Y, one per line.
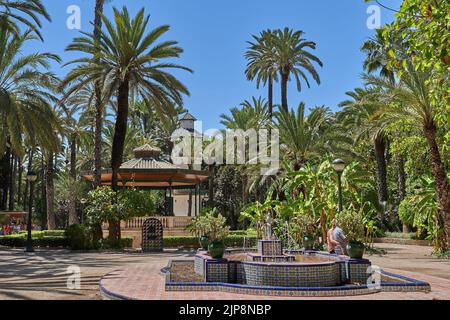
column 270, row 270
column 270, row 249
column 270, row 265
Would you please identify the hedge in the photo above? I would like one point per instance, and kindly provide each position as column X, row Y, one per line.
column 236, row 241
column 42, row 241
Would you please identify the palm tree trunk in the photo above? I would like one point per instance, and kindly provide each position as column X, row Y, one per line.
column 97, row 228
column 401, row 182
column 440, row 176
column 211, row 187
column 19, row 182
column 284, row 83
column 51, row 222
column 380, row 157
column 270, row 97
column 73, row 217
column 98, row 102
column 43, row 192
column 244, row 189
column 120, row 132
column 5, row 171
column 30, row 165
column 12, row 182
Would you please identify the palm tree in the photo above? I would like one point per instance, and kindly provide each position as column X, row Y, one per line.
column 361, row 111
column 74, row 129
column 24, row 95
column 127, row 60
column 292, row 58
column 25, row 111
column 261, row 64
column 412, row 101
column 26, row 12
column 377, row 50
column 253, row 114
column 304, row 137
column 99, row 105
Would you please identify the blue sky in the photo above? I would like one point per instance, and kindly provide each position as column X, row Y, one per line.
column 213, row 34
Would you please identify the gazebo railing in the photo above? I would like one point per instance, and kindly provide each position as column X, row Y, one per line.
column 167, row 222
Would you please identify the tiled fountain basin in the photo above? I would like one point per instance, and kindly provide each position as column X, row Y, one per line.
column 310, row 269
column 180, row 276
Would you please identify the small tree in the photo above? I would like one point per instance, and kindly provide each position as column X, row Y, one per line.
column 104, row 204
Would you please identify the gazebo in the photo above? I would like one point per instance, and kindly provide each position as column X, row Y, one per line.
column 148, row 171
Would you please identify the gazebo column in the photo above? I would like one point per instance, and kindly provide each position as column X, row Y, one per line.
column 171, row 200
column 190, row 203
column 196, row 212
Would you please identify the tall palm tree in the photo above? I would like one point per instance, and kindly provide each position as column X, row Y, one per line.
column 25, row 86
column 99, row 103
column 25, row 111
column 361, row 110
column 127, row 60
column 261, row 64
column 74, row 129
column 252, row 115
column 292, row 58
column 26, row 12
column 411, row 100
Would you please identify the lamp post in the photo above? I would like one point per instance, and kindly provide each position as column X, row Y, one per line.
column 31, row 177
column 339, row 166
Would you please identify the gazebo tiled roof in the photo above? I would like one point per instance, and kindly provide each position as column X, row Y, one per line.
column 147, row 157
column 149, row 171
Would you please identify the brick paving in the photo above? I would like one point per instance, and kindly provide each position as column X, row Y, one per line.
column 146, row 282
column 42, row 275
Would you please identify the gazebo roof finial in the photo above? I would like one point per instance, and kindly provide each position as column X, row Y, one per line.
column 147, row 151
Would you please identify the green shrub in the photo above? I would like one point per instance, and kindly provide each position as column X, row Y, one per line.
column 54, row 233
column 19, row 240
column 124, row 243
column 210, row 224
column 236, row 241
column 78, row 237
column 248, row 233
column 400, row 235
column 352, row 223
column 406, row 212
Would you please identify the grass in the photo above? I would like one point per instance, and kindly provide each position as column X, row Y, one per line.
column 442, row 255
column 375, row 251
column 400, row 235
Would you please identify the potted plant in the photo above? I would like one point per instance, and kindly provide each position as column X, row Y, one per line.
column 352, row 223
column 199, row 228
column 217, row 231
column 306, row 230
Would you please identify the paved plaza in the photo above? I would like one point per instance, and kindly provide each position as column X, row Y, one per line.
column 43, row 275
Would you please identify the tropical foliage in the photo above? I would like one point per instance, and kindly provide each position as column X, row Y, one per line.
column 123, row 91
